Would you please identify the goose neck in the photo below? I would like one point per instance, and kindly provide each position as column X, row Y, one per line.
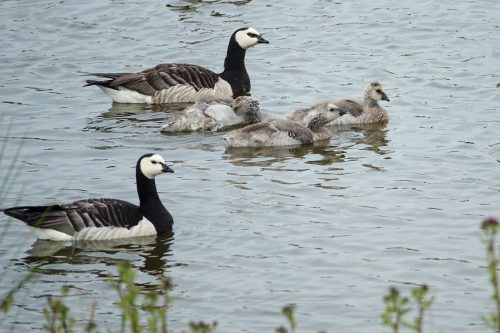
column 146, row 189
column 235, row 57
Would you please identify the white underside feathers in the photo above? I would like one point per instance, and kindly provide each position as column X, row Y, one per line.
column 143, row 228
column 176, row 94
column 124, row 95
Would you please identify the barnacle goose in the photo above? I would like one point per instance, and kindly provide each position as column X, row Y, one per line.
column 101, row 219
column 174, row 83
column 282, row 132
column 214, row 114
column 359, row 111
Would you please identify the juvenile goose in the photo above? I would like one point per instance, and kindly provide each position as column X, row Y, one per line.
column 359, row 111
column 173, row 83
column 100, row 219
column 213, row 114
column 282, row 132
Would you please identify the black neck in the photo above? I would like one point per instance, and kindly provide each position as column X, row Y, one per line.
column 235, row 72
column 150, row 204
column 235, row 57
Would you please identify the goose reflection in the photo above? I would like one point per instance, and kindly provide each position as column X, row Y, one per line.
column 153, row 250
column 121, row 110
column 373, row 136
column 130, row 117
column 267, row 156
column 192, row 6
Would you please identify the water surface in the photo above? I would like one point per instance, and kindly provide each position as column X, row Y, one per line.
column 329, row 228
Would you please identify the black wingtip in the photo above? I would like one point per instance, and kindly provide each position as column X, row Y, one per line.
column 98, row 83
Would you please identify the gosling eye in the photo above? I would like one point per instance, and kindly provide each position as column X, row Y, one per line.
column 379, row 91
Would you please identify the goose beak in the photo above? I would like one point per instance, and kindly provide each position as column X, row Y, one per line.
column 342, row 112
column 166, row 168
column 385, row 98
column 261, row 40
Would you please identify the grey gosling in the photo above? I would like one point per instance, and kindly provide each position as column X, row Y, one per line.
column 282, row 132
column 359, row 111
column 213, row 114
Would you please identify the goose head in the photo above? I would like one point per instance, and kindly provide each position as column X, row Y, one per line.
column 375, row 92
column 248, row 37
column 247, row 107
column 325, row 115
column 151, row 165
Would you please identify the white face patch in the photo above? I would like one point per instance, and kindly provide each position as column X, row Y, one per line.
column 152, row 166
column 247, row 38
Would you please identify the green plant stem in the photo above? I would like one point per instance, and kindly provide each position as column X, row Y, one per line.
column 492, row 267
column 490, row 228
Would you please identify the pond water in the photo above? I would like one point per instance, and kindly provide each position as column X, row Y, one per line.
column 328, row 228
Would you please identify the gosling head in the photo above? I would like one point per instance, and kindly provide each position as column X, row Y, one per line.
column 248, row 108
column 326, row 115
column 375, row 92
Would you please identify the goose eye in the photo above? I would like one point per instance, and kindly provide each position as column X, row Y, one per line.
column 154, row 162
column 251, row 34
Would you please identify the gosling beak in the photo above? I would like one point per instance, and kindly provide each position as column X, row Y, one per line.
column 385, row 98
column 166, row 168
column 261, row 40
column 342, row 112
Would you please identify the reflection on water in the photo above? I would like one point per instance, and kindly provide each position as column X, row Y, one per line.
column 120, row 110
column 132, row 116
column 374, row 136
column 268, row 156
column 153, row 249
column 192, row 5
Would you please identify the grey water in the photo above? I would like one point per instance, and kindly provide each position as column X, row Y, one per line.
column 328, row 228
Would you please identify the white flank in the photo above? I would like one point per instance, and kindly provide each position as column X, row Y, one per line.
column 51, row 234
column 182, row 93
column 124, row 95
column 143, row 228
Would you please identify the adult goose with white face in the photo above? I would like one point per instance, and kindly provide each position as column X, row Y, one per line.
column 177, row 82
column 103, row 219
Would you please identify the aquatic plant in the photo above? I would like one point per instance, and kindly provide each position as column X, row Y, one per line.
column 289, row 312
column 57, row 315
column 12, row 172
column 397, row 307
column 154, row 303
column 490, row 230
